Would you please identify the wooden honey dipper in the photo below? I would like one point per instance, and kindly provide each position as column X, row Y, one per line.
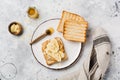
column 47, row 32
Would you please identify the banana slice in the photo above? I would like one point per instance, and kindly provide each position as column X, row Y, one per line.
column 56, row 56
column 61, row 54
column 53, row 45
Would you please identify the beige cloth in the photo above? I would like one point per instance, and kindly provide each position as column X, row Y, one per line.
column 96, row 64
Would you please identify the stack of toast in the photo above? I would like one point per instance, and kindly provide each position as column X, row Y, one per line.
column 73, row 27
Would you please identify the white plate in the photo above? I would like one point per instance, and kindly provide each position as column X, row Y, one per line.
column 72, row 48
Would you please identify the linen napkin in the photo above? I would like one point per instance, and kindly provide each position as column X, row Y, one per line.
column 97, row 62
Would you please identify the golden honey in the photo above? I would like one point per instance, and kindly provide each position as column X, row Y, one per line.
column 33, row 13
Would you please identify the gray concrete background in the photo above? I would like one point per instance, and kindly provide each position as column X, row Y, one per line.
column 16, row 59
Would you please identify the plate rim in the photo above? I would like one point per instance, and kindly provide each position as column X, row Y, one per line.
column 39, row 61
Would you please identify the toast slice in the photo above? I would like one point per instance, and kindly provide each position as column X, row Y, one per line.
column 54, row 51
column 68, row 16
column 75, row 31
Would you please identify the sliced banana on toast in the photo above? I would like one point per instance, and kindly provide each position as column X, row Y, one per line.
column 54, row 51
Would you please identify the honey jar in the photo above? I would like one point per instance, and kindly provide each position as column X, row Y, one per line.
column 33, row 13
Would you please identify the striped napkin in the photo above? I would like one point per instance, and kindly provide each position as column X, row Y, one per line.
column 97, row 62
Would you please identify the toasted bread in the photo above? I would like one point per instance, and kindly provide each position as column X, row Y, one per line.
column 68, row 16
column 75, row 31
column 51, row 59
